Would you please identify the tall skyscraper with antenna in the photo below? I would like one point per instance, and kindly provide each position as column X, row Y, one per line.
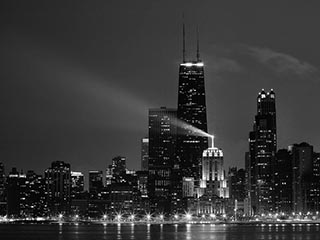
column 192, row 111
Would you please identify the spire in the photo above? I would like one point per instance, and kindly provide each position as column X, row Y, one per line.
column 183, row 42
column 198, row 48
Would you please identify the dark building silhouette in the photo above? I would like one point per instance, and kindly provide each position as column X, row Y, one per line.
column 144, row 154
column 191, row 112
column 115, row 172
column 35, row 195
column 237, row 178
column 119, row 166
column 262, row 151
column 283, row 187
column 95, row 183
column 58, row 187
column 3, row 202
column 16, row 190
column 77, row 185
column 162, row 140
column 315, row 185
column 302, row 163
column 297, row 185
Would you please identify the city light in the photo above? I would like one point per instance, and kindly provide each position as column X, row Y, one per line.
column 192, row 64
column 118, row 217
column 188, row 216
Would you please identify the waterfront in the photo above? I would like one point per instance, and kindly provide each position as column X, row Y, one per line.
column 159, row 231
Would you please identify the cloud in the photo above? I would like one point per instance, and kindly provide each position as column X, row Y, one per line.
column 280, row 62
column 222, row 60
column 224, row 64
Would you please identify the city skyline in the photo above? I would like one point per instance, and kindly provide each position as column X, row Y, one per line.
column 73, row 111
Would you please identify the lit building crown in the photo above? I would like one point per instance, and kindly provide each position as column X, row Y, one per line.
column 212, row 151
column 192, row 64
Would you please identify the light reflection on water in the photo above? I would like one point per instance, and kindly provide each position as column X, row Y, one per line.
column 119, row 231
column 83, row 231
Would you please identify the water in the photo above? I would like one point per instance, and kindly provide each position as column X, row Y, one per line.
column 159, row 231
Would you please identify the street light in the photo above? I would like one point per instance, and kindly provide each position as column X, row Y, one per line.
column 188, row 216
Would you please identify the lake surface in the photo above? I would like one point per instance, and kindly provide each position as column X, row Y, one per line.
column 159, row 231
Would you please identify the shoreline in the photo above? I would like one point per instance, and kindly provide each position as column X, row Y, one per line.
column 85, row 222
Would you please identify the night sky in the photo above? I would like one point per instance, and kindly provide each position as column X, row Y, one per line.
column 78, row 77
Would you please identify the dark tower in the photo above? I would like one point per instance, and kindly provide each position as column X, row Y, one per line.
column 262, row 150
column 58, row 187
column 191, row 112
column 162, row 139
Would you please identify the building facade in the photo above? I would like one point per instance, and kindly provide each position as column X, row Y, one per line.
column 283, row 184
column 95, row 183
column 192, row 119
column 144, row 153
column 58, row 187
column 3, row 202
column 77, row 184
column 162, row 142
column 302, row 176
column 262, row 151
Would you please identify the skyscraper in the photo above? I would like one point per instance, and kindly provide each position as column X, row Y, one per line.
column 262, row 151
column 283, row 181
column 77, row 184
column 302, row 163
column 35, row 198
column 2, row 189
column 191, row 112
column 116, row 172
column 16, row 190
column 58, row 182
column 162, row 139
column 95, row 183
column 144, row 153
column 213, row 179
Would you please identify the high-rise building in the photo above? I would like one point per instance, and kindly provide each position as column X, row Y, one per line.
column 315, row 185
column 192, row 114
column 16, row 189
column 118, row 166
column 144, row 153
column 283, row 181
column 213, row 179
column 302, row 163
column 2, row 190
column 262, row 151
column 35, row 198
column 213, row 190
column 116, row 171
column 237, row 178
column 77, row 184
column 58, row 187
column 162, row 139
column 95, row 183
